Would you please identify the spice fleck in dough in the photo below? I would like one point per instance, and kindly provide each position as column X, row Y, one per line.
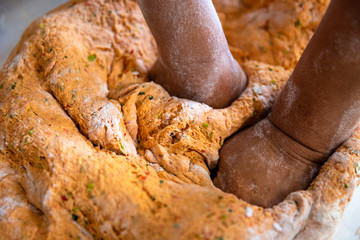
column 91, row 150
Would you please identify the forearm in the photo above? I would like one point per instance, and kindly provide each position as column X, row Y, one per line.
column 186, row 30
column 194, row 58
column 320, row 105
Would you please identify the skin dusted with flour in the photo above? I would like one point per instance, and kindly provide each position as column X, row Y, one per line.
column 303, row 131
column 194, row 58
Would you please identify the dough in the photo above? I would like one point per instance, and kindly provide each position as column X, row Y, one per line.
column 91, row 150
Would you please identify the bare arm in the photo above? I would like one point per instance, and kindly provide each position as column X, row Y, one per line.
column 194, row 58
column 320, row 105
column 317, row 110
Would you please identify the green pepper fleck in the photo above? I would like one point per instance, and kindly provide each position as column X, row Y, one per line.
column 211, row 134
column 141, row 93
column 31, row 131
column 74, row 217
column 92, row 57
column 14, row 85
column 89, row 187
column 205, row 125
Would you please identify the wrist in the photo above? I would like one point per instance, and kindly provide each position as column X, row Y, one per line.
column 303, row 153
column 215, row 83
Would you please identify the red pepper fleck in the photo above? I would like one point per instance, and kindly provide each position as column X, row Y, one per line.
column 67, row 105
column 124, row 134
column 132, row 51
column 85, row 70
column 65, row 130
column 43, row 54
column 64, row 198
column 147, row 173
column 143, row 177
column 202, row 150
column 127, row 155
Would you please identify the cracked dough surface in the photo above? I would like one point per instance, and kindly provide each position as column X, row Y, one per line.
column 91, row 150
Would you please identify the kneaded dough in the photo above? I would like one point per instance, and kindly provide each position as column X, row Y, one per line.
column 91, row 150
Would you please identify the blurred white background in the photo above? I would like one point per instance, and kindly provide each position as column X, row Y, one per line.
column 16, row 15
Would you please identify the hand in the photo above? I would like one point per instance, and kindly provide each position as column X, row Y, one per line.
column 262, row 165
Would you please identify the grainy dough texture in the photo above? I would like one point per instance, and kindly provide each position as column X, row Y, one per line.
column 91, row 150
